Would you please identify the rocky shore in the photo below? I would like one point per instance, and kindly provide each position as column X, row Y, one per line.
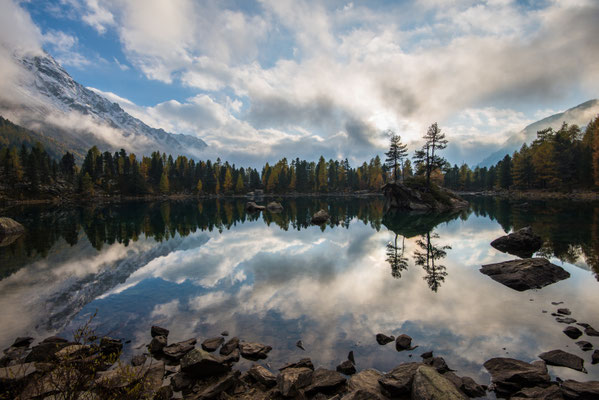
column 90, row 368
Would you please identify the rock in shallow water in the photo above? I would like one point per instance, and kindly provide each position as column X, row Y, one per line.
column 291, row 380
column 398, row 381
column 159, row 331
column 262, row 375
column 403, row 342
column 346, row 367
column 581, row 390
column 510, row 375
column 522, row 243
column 573, row 332
column 254, row 351
column 562, row 359
column 383, row 339
column 200, row 363
column 529, row 273
column 212, row 344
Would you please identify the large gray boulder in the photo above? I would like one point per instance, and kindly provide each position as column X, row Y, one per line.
column 562, row 359
column 509, row 375
column 529, row 273
column 522, row 243
column 430, row 385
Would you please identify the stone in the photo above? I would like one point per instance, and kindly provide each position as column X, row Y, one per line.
column 584, row 345
column 350, row 357
column 254, row 351
column 22, row 341
column 138, row 360
column 367, row 382
column 320, row 217
column 572, row 332
column 222, row 385
column 110, row 346
column 430, row 385
column 522, row 243
column 181, row 381
column 303, row 363
column 299, row 344
column 224, row 333
column 157, row 344
column 212, row 344
column 509, row 375
column 291, row 380
column 346, row 367
column 45, row 351
column 398, row 381
column 403, row 342
column 564, row 311
column 324, row 381
column 274, row 207
column 232, row 357
column 590, row 331
column 74, row 351
column 10, row 227
column 428, row 354
column 566, row 320
column 362, row 394
column 581, row 390
column 551, row 392
column 562, row 359
column 179, row 349
column 159, row 331
column 437, row 363
column 595, row 357
column 164, row 393
column 529, row 273
column 54, row 339
column 383, row 339
column 199, row 363
column 251, row 206
column 471, row 388
column 262, row 375
column 228, row 347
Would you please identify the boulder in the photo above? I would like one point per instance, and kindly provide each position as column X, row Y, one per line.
column 509, row 375
column 138, row 360
column 383, row 339
column 158, row 331
column 10, row 227
column 595, row 357
column 346, row 367
column 222, row 385
column 22, row 341
column 45, row 351
column 471, row 388
column 403, row 342
column 320, row 217
column 417, row 196
column 157, row 344
column 232, row 358
column 274, row 207
column 291, row 380
column 262, row 375
column 581, row 390
column 324, row 381
column 251, row 206
column 584, row 345
column 529, row 273
column 562, row 359
column 428, row 354
column 551, row 392
column 213, row 343
column 181, row 381
column 398, row 381
column 303, row 363
column 228, row 347
column 430, row 385
column 179, row 349
column 367, row 382
column 254, row 351
column 573, row 332
column 437, row 363
column 199, row 363
column 522, row 243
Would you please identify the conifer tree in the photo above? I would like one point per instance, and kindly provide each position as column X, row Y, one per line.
column 426, row 158
column 396, row 154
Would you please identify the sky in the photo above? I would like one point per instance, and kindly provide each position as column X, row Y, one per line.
column 261, row 80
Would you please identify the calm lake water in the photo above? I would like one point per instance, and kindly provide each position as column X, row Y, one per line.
column 198, row 268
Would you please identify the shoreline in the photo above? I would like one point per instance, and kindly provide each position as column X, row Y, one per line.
column 535, row 195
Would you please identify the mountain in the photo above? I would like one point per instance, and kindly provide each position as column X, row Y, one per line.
column 54, row 105
column 580, row 115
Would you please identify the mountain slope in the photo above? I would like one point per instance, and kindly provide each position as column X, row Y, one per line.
column 56, row 106
column 580, row 115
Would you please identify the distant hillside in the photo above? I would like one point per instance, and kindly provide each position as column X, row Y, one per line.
column 580, row 115
column 13, row 135
column 52, row 104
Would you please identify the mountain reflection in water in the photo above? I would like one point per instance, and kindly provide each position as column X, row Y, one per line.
column 199, row 267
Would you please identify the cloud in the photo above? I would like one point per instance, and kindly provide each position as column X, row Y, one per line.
column 64, row 46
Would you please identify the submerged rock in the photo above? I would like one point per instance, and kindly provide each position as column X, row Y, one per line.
column 254, row 351
column 509, row 375
column 573, row 332
column 383, row 339
column 299, row 344
column 590, row 331
column 562, row 359
column 566, row 320
column 529, row 273
column 522, row 243
column 595, row 357
column 320, row 217
column 403, row 342
column 564, row 311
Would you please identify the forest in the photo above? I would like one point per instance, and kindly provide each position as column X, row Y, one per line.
column 562, row 160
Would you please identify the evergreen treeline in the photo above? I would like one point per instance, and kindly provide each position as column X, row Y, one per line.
column 560, row 160
column 27, row 170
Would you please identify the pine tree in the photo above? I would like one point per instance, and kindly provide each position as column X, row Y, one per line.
column 163, row 186
column 199, row 186
column 426, row 158
column 396, row 154
column 239, row 185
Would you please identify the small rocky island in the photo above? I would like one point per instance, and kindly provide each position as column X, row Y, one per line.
column 416, row 195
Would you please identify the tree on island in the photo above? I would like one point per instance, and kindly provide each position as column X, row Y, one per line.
column 396, row 154
column 426, row 158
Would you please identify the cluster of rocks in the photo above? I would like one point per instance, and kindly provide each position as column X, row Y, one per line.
column 273, row 207
column 415, row 196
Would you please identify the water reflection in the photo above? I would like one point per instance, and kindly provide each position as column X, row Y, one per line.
column 395, row 257
column 427, row 255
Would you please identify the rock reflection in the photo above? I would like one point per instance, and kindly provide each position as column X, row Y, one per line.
column 427, row 256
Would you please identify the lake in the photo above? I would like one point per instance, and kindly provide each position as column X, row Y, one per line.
column 201, row 267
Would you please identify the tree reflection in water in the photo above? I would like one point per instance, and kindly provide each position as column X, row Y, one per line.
column 395, row 257
column 435, row 273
